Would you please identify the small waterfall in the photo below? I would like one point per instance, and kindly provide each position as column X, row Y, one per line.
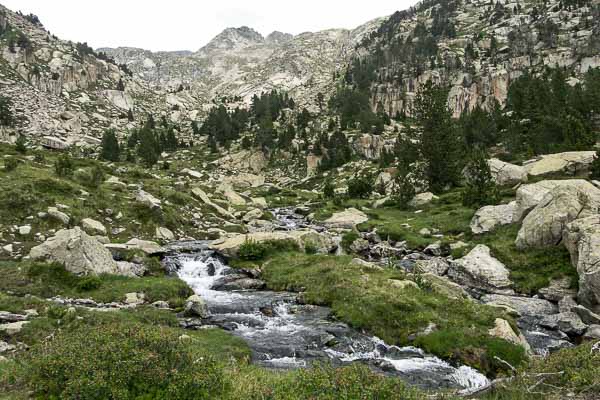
column 287, row 335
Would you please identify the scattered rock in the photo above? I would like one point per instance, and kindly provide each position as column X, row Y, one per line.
column 196, row 307
column 422, row 199
column 13, row 328
column 25, row 230
column 503, row 330
column 561, row 205
column 582, row 239
column 148, row 200
column 135, row 299
column 403, row 284
column 80, row 253
column 445, row 287
column 506, row 174
column 93, row 227
column 164, row 234
column 558, row 289
column 479, row 270
column 200, row 194
column 436, row 265
column 522, row 305
column 486, row 219
column 60, row 216
column 567, row 322
column 347, row 219
column 529, row 196
column 570, row 163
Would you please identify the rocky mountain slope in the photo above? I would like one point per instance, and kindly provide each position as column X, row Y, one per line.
column 477, row 47
column 239, row 63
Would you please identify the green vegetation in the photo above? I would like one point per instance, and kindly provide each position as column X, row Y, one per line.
column 568, row 373
column 48, row 280
column 110, row 146
column 480, row 189
column 366, row 299
column 530, row 270
column 446, row 214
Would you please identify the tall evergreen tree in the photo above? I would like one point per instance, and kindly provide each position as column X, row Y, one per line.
column 110, row 146
column 440, row 144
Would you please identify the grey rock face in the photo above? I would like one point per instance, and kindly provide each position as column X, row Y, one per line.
column 80, row 253
column 479, row 270
column 582, row 239
column 545, row 224
column 486, row 219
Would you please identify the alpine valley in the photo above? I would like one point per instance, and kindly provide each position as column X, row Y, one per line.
column 405, row 210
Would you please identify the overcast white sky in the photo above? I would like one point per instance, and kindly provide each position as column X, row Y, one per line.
column 188, row 25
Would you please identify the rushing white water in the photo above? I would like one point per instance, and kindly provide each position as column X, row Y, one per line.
column 283, row 334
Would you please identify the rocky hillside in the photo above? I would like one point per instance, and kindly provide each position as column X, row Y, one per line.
column 477, row 47
column 239, row 63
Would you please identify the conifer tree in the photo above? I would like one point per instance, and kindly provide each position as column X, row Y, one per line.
column 110, row 146
column 480, row 189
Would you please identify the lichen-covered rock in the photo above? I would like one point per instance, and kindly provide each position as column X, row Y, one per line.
column 573, row 163
column 148, row 200
column 529, row 196
column 80, row 253
column 506, row 174
column 479, row 270
column 582, row 239
column 487, row 218
column 347, row 219
column 561, row 205
column 93, row 227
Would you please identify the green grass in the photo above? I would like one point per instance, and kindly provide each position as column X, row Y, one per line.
column 48, row 280
column 531, row 269
column 365, row 299
column 446, row 214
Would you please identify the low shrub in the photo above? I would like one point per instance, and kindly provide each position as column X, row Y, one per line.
column 121, row 362
column 251, row 250
column 10, row 164
column 64, row 165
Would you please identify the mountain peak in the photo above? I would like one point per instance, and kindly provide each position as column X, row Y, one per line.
column 235, row 38
column 277, row 37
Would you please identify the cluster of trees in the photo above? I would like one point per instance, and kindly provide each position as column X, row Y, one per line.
column 549, row 115
column 353, row 106
column 145, row 143
column 222, row 126
column 335, row 150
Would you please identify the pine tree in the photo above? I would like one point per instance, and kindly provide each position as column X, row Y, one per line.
column 130, row 117
column 480, row 187
column 20, row 145
column 440, row 144
column 148, row 147
column 110, row 146
column 121, row 86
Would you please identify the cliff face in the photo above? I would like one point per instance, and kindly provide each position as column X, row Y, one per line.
column 480, row 48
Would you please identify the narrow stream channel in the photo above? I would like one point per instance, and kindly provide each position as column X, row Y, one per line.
column 284, row 334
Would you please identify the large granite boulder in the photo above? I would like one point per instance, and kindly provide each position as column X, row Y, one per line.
column 561, row 205
column 523, row 306
column 93, row 227
column 479, row 270
column 506, row 174
column 529, row 196
column 346, row 219
column 573, row 163
column 487, row 218
column 147, row 200
column 230, row 246
column 80, row 253
column 582, row 239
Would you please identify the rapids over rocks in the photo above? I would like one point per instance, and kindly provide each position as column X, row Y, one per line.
column 284, row 334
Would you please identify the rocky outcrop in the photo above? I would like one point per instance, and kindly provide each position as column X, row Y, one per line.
column 346, row 219
column 503, row 330
column 582, row 239
column 201, row 194
column 506, row 174
column 93, row 227
column 545, row 224
column 230, row 246
column 147, row 200
column 574, row 163
column 479, row 270
column 486, row 219
column 80, row 253
column 529, row 196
